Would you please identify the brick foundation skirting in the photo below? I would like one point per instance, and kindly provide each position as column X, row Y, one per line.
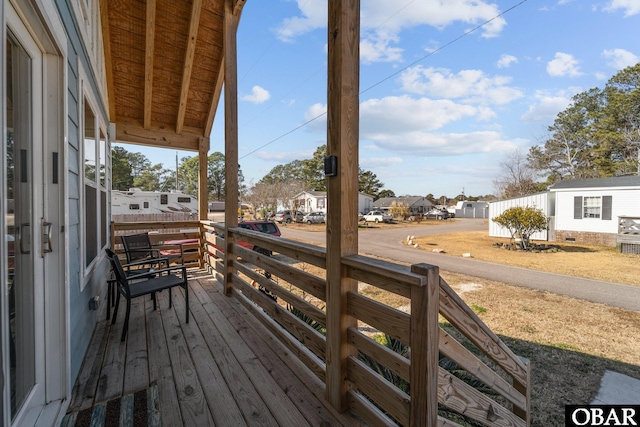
column 587, row 237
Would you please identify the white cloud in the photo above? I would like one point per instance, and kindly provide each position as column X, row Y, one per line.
column 382, row 21
column 505, row 61
column 258, row 95
column 563, row 64
column 384, row 16
column 630, row 7
column 444, row 144
column 398, row 114
column 315, row 111
column 380, row 162
column 313, row 15
column 620, row 58
column 375, row 49
column 471, row 86
column 547, row 106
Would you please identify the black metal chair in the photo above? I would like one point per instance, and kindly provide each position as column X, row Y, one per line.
column 138, row 247
column 136, row 285
column 136, row 267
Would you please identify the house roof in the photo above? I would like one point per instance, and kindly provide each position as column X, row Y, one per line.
column 616, row 181
column 324, row 194
column 164, row 69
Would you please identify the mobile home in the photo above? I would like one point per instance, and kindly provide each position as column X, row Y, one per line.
column 136, row 201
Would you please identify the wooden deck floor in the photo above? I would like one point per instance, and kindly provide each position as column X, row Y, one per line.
column 222, row 368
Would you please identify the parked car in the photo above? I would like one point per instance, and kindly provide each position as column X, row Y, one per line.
column 287, row 216
column 377, row 216
column 314, row 218
column 262, row 226
column 437, row 214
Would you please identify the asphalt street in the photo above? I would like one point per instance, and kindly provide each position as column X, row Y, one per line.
column 388, row 244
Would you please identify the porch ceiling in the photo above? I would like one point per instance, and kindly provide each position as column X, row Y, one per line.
column 165, row 69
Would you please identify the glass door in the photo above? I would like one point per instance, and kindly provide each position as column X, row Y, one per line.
column 24, row 261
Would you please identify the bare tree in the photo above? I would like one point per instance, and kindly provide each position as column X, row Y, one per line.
column 288, row 190
column 262, row 196
column 517, row 178
column 268, row 196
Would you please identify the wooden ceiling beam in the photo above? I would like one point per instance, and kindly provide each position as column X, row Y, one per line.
column 106, row 40
column 237, row 8
column 215, row 100
column 196, row 9
column 158, row 135
column 148, row 61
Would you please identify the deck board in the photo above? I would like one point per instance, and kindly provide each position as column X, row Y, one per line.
column 160, row 371
column 195, row 411
column 277, row 359
column 283, row 411
column 222, row 368
column 136, row 369
column 248, row 399
column 214, row 385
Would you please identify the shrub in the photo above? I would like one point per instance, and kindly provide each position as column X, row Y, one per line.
column 522, row 222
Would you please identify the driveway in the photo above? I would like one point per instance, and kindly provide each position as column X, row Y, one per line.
column 387, row 243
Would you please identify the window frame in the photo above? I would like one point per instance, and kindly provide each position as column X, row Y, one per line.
column 593, row 207
column 100, row 183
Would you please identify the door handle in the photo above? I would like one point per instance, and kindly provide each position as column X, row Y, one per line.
column 46, row 238
column 21, row 240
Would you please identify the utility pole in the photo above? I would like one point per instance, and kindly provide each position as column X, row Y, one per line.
column 177, row 172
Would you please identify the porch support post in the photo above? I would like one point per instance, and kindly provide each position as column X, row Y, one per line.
column 230, row 136
column 203, row 188
column 425, row 306
column 342, row 190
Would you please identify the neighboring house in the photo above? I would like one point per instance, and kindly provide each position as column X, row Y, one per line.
column 316, row 201
column 310, row 201
column 416, row 204
column 542, row 201
column 589, row 210
column 469, row 209
column 582, row 210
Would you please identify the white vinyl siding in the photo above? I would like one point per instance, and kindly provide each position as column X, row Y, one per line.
column 614, row 202
column 542, row 201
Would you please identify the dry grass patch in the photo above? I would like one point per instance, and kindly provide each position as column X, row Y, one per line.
column 593, row 262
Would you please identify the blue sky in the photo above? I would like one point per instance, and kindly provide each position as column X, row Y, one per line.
column 439, row 110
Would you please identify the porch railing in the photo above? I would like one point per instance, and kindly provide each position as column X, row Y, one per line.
column 628, row 238
column 162, row 234
column 446, row 366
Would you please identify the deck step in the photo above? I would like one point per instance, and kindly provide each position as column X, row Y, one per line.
column 137, row 409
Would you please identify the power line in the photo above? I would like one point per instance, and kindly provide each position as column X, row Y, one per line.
column 449, row 43
column 465, row 34
column 293, row 89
